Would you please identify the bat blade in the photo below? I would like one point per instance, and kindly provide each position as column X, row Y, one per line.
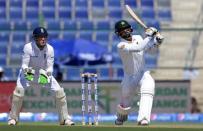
column 135, row 17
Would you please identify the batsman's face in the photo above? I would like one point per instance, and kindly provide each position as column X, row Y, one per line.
column 41, row 41
column 126, row 33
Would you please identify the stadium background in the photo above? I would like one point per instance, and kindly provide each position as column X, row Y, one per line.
column 178, row 59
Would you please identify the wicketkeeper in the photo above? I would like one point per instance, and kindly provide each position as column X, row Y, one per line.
column 36, row 71
column 131, row 50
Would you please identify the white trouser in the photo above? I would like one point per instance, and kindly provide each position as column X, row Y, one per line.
column 130, row 86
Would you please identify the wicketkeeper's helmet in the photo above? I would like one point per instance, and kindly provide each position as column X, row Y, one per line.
column 121, row 25
column 40, row 32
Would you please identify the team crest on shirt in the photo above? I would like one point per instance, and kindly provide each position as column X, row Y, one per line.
column 136, row 42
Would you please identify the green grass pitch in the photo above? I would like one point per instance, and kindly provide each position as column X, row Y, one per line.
column 38, row 126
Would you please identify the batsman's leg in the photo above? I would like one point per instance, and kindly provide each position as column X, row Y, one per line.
column 146, row 100
column 122, row 114
column 16, row 105
column 127, row 94
column 61, row 105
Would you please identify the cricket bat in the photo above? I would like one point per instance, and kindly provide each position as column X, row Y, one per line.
column 135, row 17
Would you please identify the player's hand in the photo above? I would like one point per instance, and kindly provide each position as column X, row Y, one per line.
column 159, row 38
column 151, row 31
column 43, row 77
column 29, row 73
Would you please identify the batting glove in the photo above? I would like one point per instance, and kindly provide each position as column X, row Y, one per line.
column 29, row 73
column 151, row 31
column 43, row 77
column 159, row 38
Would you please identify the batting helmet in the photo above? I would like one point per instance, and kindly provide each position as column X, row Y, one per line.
column 121, row 25
column 40, row 32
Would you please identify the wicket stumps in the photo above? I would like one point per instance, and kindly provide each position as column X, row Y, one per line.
column 88, row 78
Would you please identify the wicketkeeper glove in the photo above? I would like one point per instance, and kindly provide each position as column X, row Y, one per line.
column 43, row 77
column 29, row 73
column 151, row 31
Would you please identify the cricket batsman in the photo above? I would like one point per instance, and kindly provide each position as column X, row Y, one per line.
column 36, row 71
column 131, row 50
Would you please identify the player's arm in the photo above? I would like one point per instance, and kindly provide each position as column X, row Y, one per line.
column 27, row 71
column 26, row 56
column 50, row 60
column 140, row 46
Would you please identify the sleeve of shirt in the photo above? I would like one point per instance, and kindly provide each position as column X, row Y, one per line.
column 26, row 56
column 151, row 43
column 143, row 44
column 50, row 60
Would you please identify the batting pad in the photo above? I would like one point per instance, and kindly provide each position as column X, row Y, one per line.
column 146, row 98
column 61, row 105
column 145, row 107
column 122, row 113
column 122, row 110
column 17, row 102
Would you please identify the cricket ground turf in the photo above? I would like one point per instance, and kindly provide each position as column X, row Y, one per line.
column 39, row 126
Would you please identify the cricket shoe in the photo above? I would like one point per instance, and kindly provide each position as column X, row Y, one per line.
column 143, row 122
column 118, row 122
column 68, row 122
column 12, row 122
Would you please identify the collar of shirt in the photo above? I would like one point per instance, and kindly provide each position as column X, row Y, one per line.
column 129, row 42
column 35, row 46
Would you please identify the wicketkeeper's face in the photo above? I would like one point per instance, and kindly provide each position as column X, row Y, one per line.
column 41, row 41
